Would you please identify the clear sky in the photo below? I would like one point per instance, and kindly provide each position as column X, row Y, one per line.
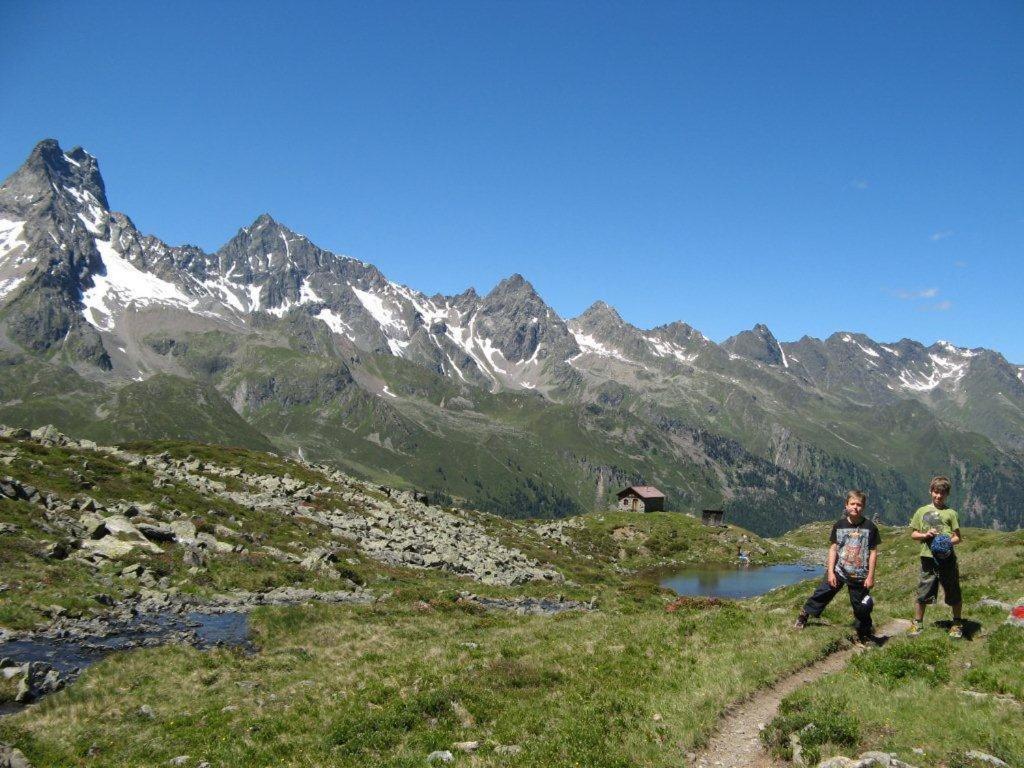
column 813, row 166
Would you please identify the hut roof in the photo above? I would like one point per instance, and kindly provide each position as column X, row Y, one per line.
column 643, row 491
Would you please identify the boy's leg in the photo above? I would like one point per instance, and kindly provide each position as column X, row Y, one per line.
column 949, row 576
column 861, row 610
column 821, row 597
column 927, row 589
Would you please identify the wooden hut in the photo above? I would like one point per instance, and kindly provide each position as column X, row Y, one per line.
column 641, row 498
column 713, row 517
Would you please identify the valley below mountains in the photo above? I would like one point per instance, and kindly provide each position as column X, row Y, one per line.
column 491, row 401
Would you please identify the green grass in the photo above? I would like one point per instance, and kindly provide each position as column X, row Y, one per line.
column 386, row 685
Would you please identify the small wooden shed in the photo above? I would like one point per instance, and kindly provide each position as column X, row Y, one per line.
column 641, row 498
column 713, row 517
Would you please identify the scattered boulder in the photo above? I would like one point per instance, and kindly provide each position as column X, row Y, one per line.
column 157, row 532
column 184, row 531
column 39, row 679
column 93, row 526
column 866, row 760
column 193, row 557
column 12, row 758
column 49, row 435
column 983, row 757
column 532, row 606
column 58, row 550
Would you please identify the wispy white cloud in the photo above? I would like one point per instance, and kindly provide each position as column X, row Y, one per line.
column 942, row 234
column 860, row 184
column 940, row 306
column 960, row 264
column 920, row 293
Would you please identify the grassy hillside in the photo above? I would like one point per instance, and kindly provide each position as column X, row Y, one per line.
column 423, row 669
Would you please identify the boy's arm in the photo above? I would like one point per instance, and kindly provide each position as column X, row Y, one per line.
column 916, row 525
column 833, row 553
column 917, row 535
column 869, row 582
column 956, row 538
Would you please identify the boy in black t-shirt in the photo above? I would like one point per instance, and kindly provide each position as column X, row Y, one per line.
column 852, row 554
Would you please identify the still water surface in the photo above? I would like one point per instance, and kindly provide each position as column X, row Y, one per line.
column 738, row 581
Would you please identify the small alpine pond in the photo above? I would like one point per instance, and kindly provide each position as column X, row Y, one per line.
column 738, row 581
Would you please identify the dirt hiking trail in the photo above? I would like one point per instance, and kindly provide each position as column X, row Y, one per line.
column 737, row 742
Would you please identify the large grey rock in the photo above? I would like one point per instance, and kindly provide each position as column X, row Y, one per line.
column 10, row 757
column 984, row 757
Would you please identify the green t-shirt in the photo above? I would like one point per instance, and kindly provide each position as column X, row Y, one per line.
column 943, row 520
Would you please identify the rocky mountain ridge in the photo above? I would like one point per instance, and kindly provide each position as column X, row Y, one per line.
column 90, row 306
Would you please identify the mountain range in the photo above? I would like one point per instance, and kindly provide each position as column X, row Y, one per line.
column 272, row 342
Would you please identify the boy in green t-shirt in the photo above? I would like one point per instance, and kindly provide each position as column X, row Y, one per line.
column 937, row 527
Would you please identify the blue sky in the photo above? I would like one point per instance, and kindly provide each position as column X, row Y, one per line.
column 816, row 167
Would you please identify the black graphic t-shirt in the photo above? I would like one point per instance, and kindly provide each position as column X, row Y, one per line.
column 855, row 542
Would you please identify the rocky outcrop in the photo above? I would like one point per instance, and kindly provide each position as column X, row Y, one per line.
column 391, row 526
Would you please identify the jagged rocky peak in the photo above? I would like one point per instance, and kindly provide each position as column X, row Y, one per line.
column 519, row 323
column 259, row 246
column 463, row 302
column 756, row 344
column 602, row 322
column 514, row 288
column 599, row 313
column 681, row 333
column 74, row 174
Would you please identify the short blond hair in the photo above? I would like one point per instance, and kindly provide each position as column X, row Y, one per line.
column 857, row 493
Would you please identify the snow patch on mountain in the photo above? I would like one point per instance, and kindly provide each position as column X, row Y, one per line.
column 663, row 348
column 94, row 211
column 282, row 308
column 785, row 362
column 944, row 370
column 222, row 288
column 490, row 352
column 866, row 350
column 470, row 343
column 589, row 345
column 122, row 284
column 8, row 285
column 306, row 293
column 381, row 312
column 953, row 349
column 11, row 236
column 334, row 322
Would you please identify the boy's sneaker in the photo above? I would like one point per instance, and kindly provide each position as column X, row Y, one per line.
column 915, row 628
column 801, row 620
column 956, row 631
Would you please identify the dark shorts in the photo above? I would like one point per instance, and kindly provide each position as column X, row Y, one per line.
column 935, row 572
